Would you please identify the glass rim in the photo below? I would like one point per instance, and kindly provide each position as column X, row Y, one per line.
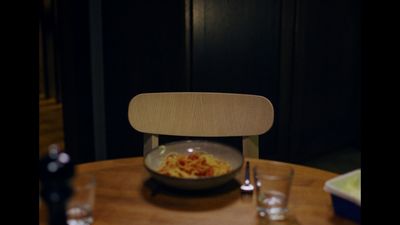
column 273, row 175
column 83, row 181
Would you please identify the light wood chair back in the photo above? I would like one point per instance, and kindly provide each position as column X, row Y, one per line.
column 201, row 114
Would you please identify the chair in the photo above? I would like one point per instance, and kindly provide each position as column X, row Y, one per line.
column 201, row 114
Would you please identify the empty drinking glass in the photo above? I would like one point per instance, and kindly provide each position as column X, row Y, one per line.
column 80, row 206
column 273, row 182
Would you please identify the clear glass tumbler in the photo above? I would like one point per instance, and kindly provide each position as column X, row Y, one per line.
column 80, row 205
column 273, row 182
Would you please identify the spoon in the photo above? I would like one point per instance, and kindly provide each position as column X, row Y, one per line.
column 247, row 186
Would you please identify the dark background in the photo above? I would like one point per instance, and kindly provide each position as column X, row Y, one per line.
column 303, row 55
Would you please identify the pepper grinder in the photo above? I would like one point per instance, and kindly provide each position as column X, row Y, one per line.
column 56, row 171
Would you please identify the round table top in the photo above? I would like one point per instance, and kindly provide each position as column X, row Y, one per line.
column 126, row 195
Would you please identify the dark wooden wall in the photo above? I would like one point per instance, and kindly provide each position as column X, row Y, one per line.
column 236, row 49
column 326, row 78
column 73, row 64
column 304, row 55
column 144, row 47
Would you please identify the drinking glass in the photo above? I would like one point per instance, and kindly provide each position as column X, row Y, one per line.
column 273, row 182
column 80, row 205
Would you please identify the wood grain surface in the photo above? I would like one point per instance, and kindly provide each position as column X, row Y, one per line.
column 201, row 114
column 126, row 195
column 51, row 127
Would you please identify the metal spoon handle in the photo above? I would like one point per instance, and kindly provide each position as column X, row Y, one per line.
column 247, row 187
column 247, row 172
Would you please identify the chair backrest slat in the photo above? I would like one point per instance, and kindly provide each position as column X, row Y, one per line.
column 201, row 114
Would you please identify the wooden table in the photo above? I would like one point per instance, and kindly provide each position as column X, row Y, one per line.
column 126, row 195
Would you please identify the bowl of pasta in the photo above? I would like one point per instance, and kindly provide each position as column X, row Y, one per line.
column 193, row 165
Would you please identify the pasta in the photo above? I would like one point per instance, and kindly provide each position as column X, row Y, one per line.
column 193, row 165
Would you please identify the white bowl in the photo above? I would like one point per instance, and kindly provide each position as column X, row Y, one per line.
column 154, row 158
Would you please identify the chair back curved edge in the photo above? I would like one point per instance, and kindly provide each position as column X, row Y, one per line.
column 201, row 114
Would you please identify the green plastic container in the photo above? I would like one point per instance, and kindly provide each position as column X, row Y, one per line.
column 345, row 191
